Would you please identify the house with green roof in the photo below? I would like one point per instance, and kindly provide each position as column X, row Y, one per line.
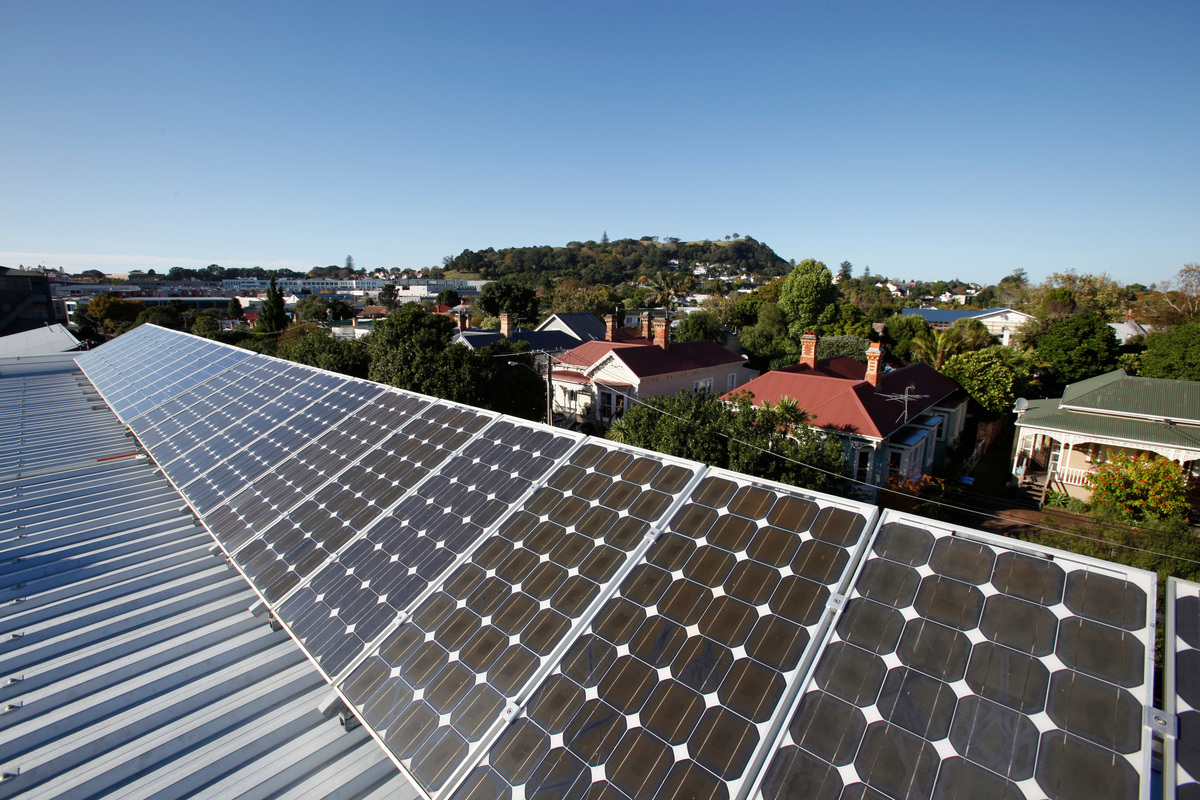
column 1060, row 441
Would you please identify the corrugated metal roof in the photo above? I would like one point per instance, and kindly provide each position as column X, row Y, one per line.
column 138, row 669
column 1047, row 414
column 50, row 339
column 1118, row 392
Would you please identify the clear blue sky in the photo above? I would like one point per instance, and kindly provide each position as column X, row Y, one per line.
column 926, row 140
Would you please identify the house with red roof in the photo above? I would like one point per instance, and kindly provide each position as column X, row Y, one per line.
column 892, row 422
column 601, row 378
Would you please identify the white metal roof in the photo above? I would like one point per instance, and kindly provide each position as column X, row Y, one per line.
column 130, row 665
column 50, row 339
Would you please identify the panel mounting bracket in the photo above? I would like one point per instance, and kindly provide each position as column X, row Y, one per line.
column 1161, row 722
column 835, row 602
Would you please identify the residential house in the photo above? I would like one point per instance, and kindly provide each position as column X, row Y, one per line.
column 892, row 422
column 544, row 341
column 601, row 378
column 582, row 325
column 1060, row 441
column 1000, row 322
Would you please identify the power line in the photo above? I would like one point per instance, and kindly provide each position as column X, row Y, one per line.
column 951, row 506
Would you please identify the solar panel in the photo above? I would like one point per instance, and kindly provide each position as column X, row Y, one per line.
column 280, row 551
column 964, row 665
column 673, row 688
column 1181, row 692
column 354, row 598
column 439, row 683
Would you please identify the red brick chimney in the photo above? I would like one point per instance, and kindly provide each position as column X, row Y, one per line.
column 646, row 333
column 661, row 336
column 464, row 319
column 808, row 349
column 610, row 328
column 874, row 355
column 506, row 325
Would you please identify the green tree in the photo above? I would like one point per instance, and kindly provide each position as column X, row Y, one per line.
column 272, row 318
column 234, row 309
column 388, row 297
column 766, row 340
column 340, row 310
column 350, row 263
column 312, row 309
column 700, row 325
column 206, row 325
column 506, row 296
column 899, row 333
column 772, row 443
column 448, row 297
column 853, row 346
column 808, row 298
column 986, row 377
column 574, row 297
column 413, row 349
column 1139, row 487
column 845, row 271
column 1078, row 347
column 164, row 316
column 1173, row 354
column 317, row 348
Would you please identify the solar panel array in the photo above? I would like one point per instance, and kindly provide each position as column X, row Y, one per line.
column 515, row 611
column 1182, row 691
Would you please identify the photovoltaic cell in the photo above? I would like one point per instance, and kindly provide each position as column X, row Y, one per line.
column 309, row 529
column 353, row 599
column 672, row 689
column 1181, row 768
column 438, row 683
column 961, row 667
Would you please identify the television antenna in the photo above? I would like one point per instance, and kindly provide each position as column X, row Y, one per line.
column 904, row 398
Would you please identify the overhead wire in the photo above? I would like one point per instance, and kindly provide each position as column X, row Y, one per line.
column 961, row 509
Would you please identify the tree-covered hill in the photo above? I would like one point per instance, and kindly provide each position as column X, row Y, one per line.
column 613, row 262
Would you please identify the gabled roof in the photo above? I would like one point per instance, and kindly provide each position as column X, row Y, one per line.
column 952, row 314
column 538, row 340
column 837, row 396
column 1119, row 393
column 583, row 326
column 646, row 360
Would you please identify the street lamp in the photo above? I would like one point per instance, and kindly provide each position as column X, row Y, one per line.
column 549, row 385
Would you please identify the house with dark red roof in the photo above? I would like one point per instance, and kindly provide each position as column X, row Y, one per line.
column 601, row 378
column 893, row 422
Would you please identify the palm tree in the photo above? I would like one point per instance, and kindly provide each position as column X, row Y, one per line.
column 934, row 347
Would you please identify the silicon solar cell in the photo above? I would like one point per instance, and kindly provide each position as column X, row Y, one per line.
column 302, row 539
column 673, row 688
column 1181, row 769
column 962, row 666
column 352, row 600
column 437, row 685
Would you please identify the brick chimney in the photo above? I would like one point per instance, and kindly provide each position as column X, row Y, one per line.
column 610, row 328
column 874, row 355
column 808, row 349
column 646, row 333
column 662, row 337
column 464, row 319
column 506, row 325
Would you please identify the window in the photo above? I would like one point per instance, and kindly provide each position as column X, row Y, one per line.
column 731, row 384
column 702, row 385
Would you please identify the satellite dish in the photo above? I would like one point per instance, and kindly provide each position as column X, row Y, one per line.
column 1021, row 405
